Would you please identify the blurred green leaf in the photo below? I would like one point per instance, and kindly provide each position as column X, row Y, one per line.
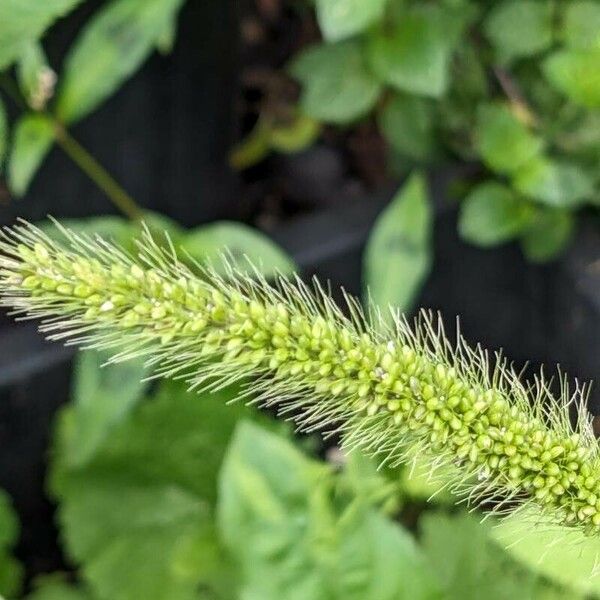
column 109, row 49
column 56, row 587
column 102, row 397
column 407, row 124
column 472, row 566
column 24, row 21
column 297, row 543
column 209, row 242
column 520, row 28
column 398, row 255
column 581, row 24
column 363, row 478
column 4, row 134
column 340, row 19
column 337, row 85
column 548, row 234
column 562, row 554
column 414, row 54
column 36, row 79
column 504, row 142
column 138, row 516
column 32, row 139
column 11, row 571
column 575, row 73
column 492, row 214
column 554, row 183
column 112, row 228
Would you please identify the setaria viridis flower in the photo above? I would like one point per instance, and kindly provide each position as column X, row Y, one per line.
column 395, row 391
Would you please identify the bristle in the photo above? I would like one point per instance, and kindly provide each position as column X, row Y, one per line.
column 395, row 390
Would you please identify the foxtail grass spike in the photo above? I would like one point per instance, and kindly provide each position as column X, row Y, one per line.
column 396, row 391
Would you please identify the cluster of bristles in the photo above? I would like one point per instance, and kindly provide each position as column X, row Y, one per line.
column 395, row 393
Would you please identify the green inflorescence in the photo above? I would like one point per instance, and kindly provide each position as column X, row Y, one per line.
column 396, row 392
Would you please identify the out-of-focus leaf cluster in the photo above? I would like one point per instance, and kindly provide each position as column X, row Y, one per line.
column 513, row 85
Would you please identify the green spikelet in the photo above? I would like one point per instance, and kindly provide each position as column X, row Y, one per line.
column 396, row 392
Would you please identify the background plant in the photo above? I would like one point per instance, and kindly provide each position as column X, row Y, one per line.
column 511, row 85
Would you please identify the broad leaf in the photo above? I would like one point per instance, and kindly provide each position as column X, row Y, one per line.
column 138, row 516
column 575, row 73
column 472, row 566
column 414, row 54
column 519, row 28
column 102, row 397
column 548, row 234
column 337, row 84
column 493, row 214
column 407, row 124
column 340, row 19
column 504, row 142
column 32, row 140
column 297, row 544
column 398, row 255
column 561, row 554
column 554, row 183
column 581, row 24
column 241, row 243
column 109, row 49
column 24, row 21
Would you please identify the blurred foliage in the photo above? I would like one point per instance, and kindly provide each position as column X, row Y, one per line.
column 109, row 48
column 513, row 85
column 398, row 256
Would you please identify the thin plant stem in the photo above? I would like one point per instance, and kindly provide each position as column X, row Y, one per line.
column 81, row 157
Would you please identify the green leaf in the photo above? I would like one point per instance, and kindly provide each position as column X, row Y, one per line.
column 398, row 255
column 110, row 48
column 11, row 571
column 407, row 124
column 298, row 544
column 493, row 214
column 138, row 516
column 476, row 567
column 36, row 79
column 575, row 73
column 414, row 55
column 554, row 183
column 562, row 554
column 581, row 25
column 209, row 242
column 337, row 85
column 520, row 28
column 56, row 587
column 340, row 19
column 24, row 21
column 504, row 142
column 4, row 133
column 111, row 228
column 33, row 137
column 548, row 234
column 102, row 397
